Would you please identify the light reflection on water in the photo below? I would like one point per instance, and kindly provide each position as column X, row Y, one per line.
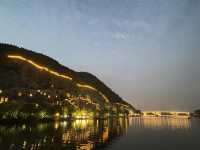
column 77, row 134
column 80, row 134
column 158, row 123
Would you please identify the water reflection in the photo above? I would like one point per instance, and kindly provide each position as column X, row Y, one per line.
column 79, row 134
column 158, row 123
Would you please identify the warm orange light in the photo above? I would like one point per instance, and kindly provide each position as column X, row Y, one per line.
column 94, row 89
column 106, row 99
column 105, row 135
column 86, row 86
column 56, row 74
column 159, row 122
column 169, row 114
column 19, row 94
column 39, row 66
column 57, row 115
column 122, row 105
column 3, row 100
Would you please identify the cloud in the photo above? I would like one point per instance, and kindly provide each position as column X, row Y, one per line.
column 93, row 21
column 120, row 36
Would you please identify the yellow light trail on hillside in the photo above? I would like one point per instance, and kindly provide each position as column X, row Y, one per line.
column 56, row 74
column 86, row 86
column 106, row 99
column 94, row 89
column 40, row 67
column 122, row 105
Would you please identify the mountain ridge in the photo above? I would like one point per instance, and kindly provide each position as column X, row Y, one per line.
column 46, row 63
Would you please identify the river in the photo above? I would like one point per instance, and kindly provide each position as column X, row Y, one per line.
column 109, row 134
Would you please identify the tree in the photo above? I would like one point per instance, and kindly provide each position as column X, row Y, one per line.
column 197, row 111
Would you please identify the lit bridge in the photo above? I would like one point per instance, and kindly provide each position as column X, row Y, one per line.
column 166, row 114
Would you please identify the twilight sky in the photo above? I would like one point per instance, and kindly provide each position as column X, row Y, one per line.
column 147, row 51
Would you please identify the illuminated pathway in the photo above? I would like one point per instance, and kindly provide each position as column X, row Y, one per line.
column 40, row 67
column 57, row 74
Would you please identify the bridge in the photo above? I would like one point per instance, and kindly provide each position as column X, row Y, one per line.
column 166, row 114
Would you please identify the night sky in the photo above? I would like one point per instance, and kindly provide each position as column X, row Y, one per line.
column 147, row 51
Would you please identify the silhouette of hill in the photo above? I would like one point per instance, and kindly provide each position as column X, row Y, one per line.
column 28, row 78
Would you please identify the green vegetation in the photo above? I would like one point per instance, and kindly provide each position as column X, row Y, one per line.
column 197, row 113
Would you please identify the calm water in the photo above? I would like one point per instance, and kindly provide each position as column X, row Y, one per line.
column 115, row 134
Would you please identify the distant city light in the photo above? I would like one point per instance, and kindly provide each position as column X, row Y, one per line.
column 6, row 100
column 36, row 105
column 3, row 100
column 57, row 74
column 19, row 94
column 57, row 115
column 65, row 115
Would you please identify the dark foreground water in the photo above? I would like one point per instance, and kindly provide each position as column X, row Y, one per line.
column 112, row 134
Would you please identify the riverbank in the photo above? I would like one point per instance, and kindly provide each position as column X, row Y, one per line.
column 49, row 120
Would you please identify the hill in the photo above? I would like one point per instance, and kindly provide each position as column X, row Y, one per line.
column 32, row 83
